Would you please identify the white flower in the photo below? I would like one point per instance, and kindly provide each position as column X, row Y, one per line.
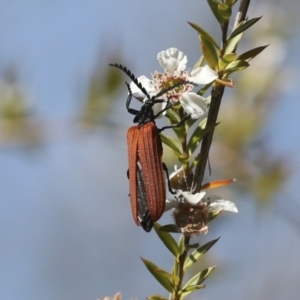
column 174, row 63
column 192, row 211
column 212, row 203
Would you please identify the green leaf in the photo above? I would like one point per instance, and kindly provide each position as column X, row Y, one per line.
column 198, row 135
column 164, row 278
column 180, row 131
column 172, row 143
column 194, row 283
column 243, row 26
column 175, row 269
column 225, row 11
column 197, row 279
column 232, row 43
column 184, row 158
column 181, row 247
column 173, row 116
column 203, row 90
column 156, row 297
column 251, row 53
column 167, row 239
column 226, row 59
column 189, row 123
column 204, row 33
column 196, row 161
column 214, row 8
column 237, row 65
column 191, row 246
column 170, row 228
column 181, row 244
column 212, row 215
column 197, row 254
column 190, row 289
column 209, row 52
column 199, row 63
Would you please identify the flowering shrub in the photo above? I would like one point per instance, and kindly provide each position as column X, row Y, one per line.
column 193, row 208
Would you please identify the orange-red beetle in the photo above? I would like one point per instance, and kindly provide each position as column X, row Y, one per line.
column 146, row 178
column 146, row 169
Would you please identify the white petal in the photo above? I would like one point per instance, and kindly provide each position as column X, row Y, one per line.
column 192, row 198
column 203, row 75
column 193, row 104
column 218, row 204
column 172, row 60
column 147, row 85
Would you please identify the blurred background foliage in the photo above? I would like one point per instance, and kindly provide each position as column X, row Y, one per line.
column 243, row 147
column 103, row 84
column 16, row 111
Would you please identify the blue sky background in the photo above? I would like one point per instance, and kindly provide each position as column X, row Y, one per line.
column 66, row 230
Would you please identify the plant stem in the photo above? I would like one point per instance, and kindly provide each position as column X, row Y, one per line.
column 181, row 260
column 216, row 98
column 241, row 15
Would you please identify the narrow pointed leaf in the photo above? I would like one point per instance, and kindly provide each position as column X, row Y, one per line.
column 167, row 239
column 232, row 43
column 175, row 269
column 172, row 116
column 225, row 11
column 194, row 283
column 191, row 246
column 212, row 215
column 181, row 244
column 209, row 52
column 180, row 131
column 251, row 53
column 189, row 123
column 172, row 143
column 156, row 297
column 191, row 289
column 203, row 90
column 163, row 277
column 196, row 161
column 198, row 135
column 226, row 59
column 237, row 65
column 197, row 254
column 214, row 8
column 198, row 278
column 170, row 228
column 172, row 277
column 204, row 33
column 199, row 63
column 243, row 26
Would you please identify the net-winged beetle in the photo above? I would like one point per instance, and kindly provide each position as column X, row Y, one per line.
column 146, row 169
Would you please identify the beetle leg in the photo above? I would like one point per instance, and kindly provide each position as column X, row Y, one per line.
column 163, row 110
column 175, row 125
column 169, row 183
column 128, row 101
